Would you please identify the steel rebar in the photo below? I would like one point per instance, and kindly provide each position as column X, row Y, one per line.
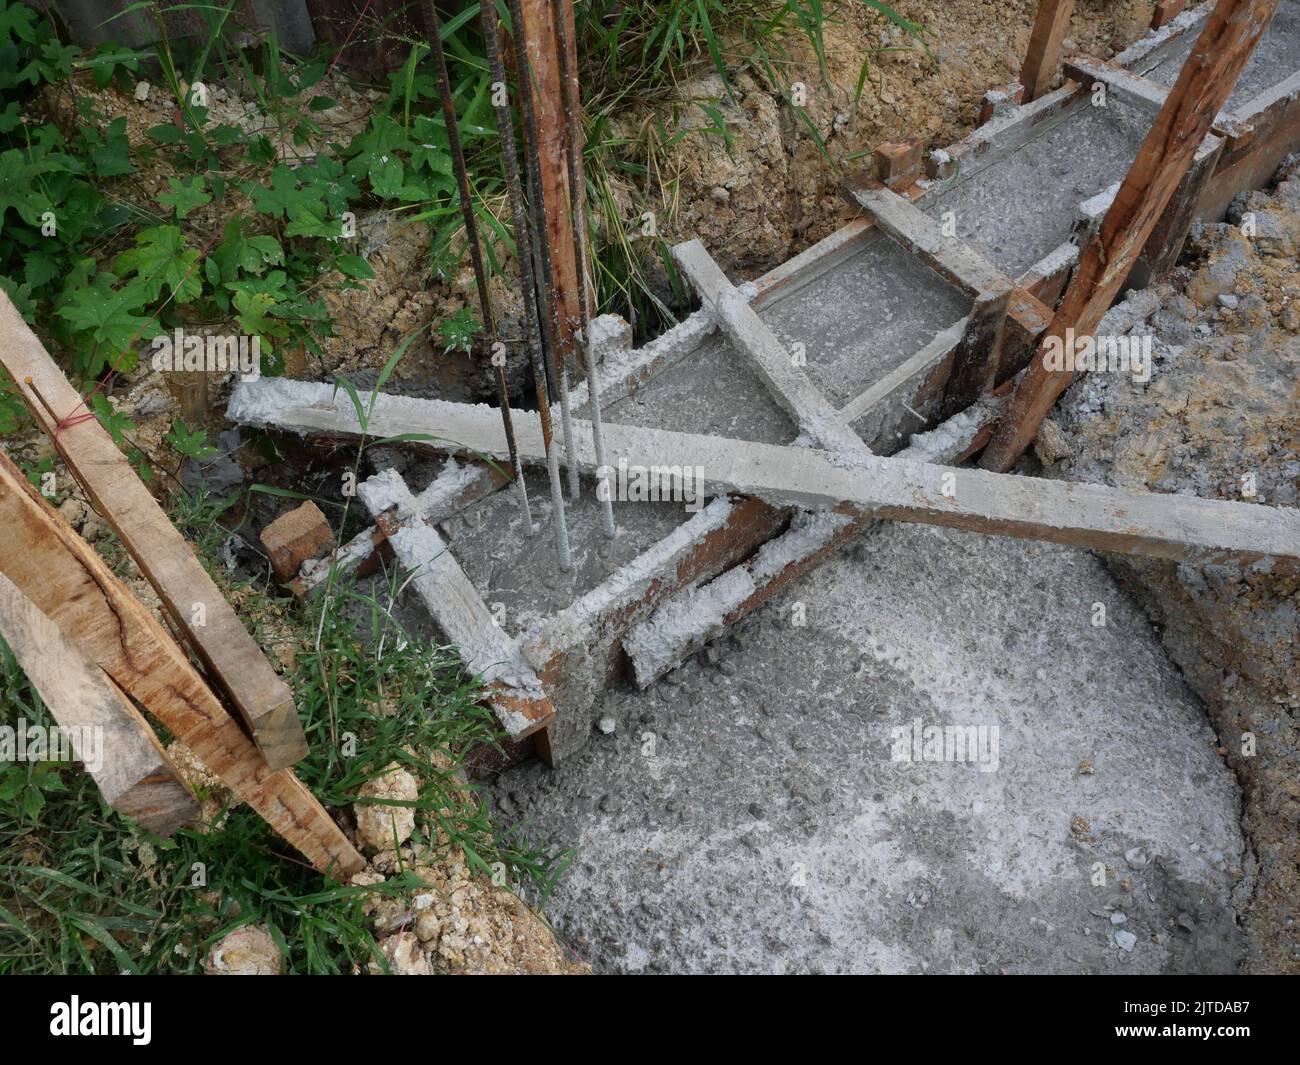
column 533, row 325
column 461, row 173
column 578, row 205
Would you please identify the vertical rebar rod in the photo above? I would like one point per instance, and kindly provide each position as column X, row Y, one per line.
column 576, row 144
column 461, row 173
column 557, row 369
column 533, row 334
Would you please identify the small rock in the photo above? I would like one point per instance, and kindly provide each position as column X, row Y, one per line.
column 404, row 955
column 607, row 725
column 1118, row 918
column 1125, row 940
column 1228, row 300
column 142, row 89
column 428, row 926
column 247, row 951
column 1137, row 858
column 377, row 824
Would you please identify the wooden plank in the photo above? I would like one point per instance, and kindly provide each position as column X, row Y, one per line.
column 1165, row 244
column 1125, row 85
column 976, row 357
column 1207, row 79
column 108, row 734
column 1111, row 519
column 514, row 691
column 955, row 261
column 70, row 583
column 1044, row 52
column 899, row 382
column 192, row 600
column 1267, row 130
column 792, row 389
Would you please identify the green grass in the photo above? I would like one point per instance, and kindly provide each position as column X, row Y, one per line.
column 82, row 890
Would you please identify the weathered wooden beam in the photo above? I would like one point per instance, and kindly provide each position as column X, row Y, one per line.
column 956, row 262
column 1134, row 89
column 460, row 485
column 67, row 581
column 1084, row 515
column 1207, row 79
column 788, row 384
column 977, row 356
column 513, row 689
column 1043, row 55
column 107, row 733
column 1265, row 130
column 192, row 600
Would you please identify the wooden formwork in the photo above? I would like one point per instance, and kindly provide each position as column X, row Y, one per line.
column 583, row 647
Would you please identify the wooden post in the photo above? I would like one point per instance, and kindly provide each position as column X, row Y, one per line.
column 1207, row 79
column 543, row 57
column 1043, row 55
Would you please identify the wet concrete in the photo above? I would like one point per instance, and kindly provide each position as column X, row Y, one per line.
column 746, row 814
column 1276, row 57
column 1020, row 209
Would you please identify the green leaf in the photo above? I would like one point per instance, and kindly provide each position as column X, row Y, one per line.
column 164, row 133
column 113, row 157
column 354, row 266
column 185, row 196
column 160, row 258
column 107, row 314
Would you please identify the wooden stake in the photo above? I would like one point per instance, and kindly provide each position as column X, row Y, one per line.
column 1207, row 79
column 109, row 735
column 194, row 603
column 1043, row 55
column 64, row 577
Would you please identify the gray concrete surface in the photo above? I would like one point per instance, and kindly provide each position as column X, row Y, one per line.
column 745, row 814
column 1024, row 207
column 1275, row 57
